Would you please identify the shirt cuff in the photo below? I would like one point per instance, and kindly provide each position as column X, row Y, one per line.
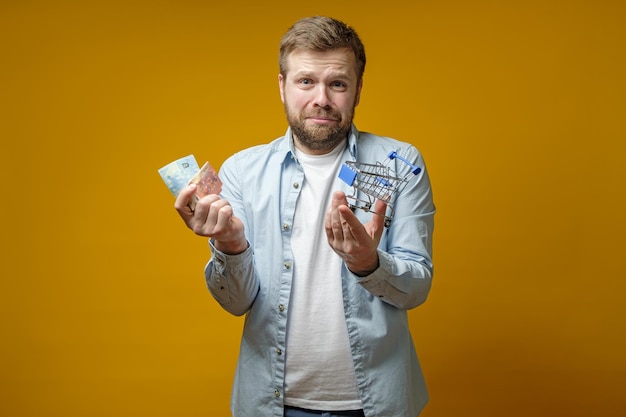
column 220, row 258
column 375, row 282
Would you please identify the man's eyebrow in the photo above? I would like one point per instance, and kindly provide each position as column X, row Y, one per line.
column 333, row 75
column 302, row 73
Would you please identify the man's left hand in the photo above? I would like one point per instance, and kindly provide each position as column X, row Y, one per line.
column 354, row 242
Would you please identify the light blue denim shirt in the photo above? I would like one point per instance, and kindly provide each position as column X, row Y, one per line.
column 262, row 184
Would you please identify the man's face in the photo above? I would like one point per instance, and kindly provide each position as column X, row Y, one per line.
column 320, row 91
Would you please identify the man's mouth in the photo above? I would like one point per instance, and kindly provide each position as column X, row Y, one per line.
column 322, row 118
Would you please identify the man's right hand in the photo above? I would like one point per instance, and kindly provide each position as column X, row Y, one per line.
column 213, row 217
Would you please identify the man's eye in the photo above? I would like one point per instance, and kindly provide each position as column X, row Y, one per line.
column 338, row 84
column 305, row 81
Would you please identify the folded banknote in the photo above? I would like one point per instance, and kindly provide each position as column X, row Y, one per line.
column 178, row 174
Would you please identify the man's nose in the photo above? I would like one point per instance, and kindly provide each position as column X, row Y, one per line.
column 321, row 96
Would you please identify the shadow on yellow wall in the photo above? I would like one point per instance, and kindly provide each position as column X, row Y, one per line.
column 518, row 109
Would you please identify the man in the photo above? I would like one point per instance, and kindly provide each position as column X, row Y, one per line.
column 325, row 289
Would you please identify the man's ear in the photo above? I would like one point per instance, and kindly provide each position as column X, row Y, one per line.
column 358, row 93
column 281, row 87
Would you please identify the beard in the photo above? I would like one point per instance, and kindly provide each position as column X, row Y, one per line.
column 319, row 137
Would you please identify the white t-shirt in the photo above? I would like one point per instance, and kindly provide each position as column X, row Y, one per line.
column 319, row 368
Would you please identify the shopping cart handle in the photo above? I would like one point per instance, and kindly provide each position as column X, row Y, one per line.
column 347, row 174
column 415, row 170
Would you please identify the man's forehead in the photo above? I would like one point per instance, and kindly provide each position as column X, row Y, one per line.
column 335, row 60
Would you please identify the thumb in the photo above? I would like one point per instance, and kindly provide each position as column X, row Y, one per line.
column 378, row 220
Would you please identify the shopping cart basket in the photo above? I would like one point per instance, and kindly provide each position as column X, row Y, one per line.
column 376, row 181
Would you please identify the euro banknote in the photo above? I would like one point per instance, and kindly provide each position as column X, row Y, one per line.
column 178, row 174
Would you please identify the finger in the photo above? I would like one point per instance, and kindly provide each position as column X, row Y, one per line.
column 328, row 225
column 224, row 218
column 339, row 199
column 334, row 217
column 378, row 220
column 336, row 226
column 350, row 224
column 182, row 202
column 208, row 208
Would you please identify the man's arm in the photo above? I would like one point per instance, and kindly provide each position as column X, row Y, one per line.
column 230, row 274
column 394, row 264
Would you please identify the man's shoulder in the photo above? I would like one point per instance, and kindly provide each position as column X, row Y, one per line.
column 368, row 141
column 258, row 155
column 264, row 150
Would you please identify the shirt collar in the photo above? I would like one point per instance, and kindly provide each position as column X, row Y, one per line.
column 352, row 141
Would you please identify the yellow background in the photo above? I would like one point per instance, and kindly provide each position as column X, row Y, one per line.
column 517, row 106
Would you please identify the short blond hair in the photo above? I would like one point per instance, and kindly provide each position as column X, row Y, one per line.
column 320, row 33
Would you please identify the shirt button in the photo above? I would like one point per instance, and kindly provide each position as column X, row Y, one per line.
column 287, row 265
column 276, row 394
column 281, row 307
column 279, row 352
column 296, row 185
column 285, row 226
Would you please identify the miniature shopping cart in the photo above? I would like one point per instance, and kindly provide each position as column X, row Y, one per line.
column 376, row 181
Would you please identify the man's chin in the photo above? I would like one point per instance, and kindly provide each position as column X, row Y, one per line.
column 319, row 129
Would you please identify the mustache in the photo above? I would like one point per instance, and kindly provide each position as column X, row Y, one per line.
column 327, row 114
